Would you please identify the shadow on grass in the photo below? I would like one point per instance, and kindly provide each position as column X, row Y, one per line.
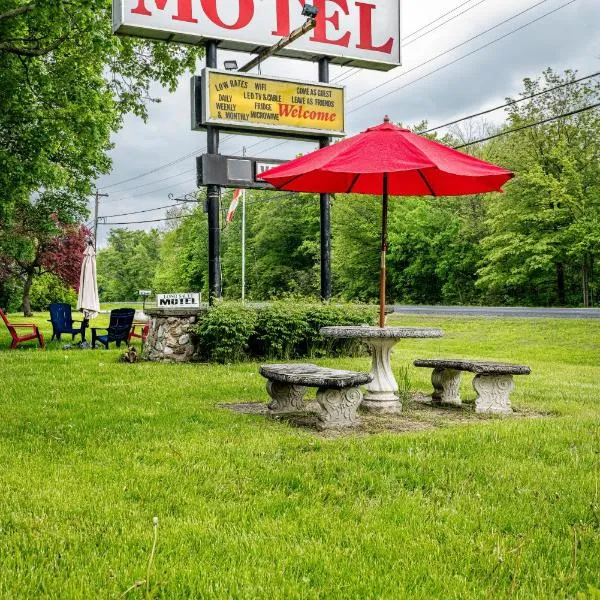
column 418, row 414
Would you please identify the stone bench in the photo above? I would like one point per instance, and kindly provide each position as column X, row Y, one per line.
column 338, row 393
column 493, row 382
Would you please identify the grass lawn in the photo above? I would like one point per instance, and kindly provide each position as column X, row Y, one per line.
column 92, row 449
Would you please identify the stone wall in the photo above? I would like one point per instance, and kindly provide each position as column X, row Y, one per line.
column 169, row 338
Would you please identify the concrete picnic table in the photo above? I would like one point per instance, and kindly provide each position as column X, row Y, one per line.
column 381, row 393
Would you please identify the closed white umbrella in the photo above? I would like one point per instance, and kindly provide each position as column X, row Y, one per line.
column 87, row 300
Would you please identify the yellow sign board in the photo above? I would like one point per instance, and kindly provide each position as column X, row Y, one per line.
column 265, row 105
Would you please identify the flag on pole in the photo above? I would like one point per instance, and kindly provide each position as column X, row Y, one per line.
column 234, row 202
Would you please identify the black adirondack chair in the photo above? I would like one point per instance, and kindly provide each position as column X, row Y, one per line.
column 63, row 322
column 121, row 320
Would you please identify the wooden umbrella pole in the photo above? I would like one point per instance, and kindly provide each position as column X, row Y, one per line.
column 384, row 245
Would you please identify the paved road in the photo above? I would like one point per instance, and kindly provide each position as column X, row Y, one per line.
column 500, row 311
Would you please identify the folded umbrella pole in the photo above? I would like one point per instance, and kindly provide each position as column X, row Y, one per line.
column 87, row 299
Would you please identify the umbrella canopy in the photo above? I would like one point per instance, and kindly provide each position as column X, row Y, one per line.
column 388, row 160
column 87, row 300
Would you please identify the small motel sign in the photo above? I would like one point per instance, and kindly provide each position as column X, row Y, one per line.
column 184, row 300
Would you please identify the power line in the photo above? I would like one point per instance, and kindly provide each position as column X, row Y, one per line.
column 160, row 167
column 338, row 79
column 137, row 187
column 436, row 20
column 151, row 171
column 529, row 125
column 148, row 221
column 444, row 23
column 137, row 212
column 354, row 71
column 441, row 54
column 485, row 139
column 461, row 57
column 401, row 75
column 490, row 110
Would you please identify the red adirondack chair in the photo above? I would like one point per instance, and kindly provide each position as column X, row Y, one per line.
column 143, row 334
column 16, row 338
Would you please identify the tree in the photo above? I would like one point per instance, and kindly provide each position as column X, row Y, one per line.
column 44, row 238
column 356, row 232
column 285, row 245
column 544, row 235
column 128, row 264
column 183, row 260
column 65, row 83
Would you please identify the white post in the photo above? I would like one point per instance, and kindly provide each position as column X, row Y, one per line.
column 243, row 245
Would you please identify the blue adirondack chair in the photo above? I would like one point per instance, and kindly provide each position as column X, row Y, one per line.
column 119, row 326
column 63, row 322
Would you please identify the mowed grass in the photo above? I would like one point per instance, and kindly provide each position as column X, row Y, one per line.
column 92, row 449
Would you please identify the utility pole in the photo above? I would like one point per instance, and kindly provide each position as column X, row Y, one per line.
column 96, row 204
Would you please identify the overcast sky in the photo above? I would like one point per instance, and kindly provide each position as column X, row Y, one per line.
column 566, row 38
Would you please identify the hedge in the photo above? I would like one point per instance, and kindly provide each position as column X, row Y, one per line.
column 282, row 330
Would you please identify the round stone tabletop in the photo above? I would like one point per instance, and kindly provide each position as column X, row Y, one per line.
column 367, row 332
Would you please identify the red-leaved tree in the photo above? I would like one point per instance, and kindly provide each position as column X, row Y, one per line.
column 38, row 242
column 64, row 254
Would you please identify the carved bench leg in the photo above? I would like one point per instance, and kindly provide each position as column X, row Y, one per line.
column 286, row 398
column 493, row 393
column 446, row 383
column 338, row 407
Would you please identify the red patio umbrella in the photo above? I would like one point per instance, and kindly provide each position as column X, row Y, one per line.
column 388, row 160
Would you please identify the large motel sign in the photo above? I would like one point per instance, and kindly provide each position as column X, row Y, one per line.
column 357, row 33
column 350, row 32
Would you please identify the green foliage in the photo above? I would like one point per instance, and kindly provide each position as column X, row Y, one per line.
column 183, row 259
column 544, row 232
column 66, row 84
column 286, row 329
column 285, row 250
column 223, row 332
column 49, row 288
column 356, row 226
column 281, row 327
column 128, row 264
column 405, row 384
column 11, row 293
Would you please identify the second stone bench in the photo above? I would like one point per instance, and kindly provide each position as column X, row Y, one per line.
column 493, row 382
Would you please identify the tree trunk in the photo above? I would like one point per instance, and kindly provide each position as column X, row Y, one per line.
column 560, row 283
column 585, row 282
column 26, row 290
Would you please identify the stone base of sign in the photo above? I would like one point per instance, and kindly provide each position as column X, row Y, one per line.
column 169, row 338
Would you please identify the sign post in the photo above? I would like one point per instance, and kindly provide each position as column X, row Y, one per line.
column 213, row 198
column 325, row 208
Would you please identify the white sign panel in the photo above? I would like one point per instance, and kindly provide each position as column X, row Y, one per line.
column 360, row 33
column 189, row 300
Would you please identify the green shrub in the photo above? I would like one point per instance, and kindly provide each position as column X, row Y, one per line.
column 282, row 330
column 48, row 288
column 224, row 331
column 11, row 294
column 324, row 315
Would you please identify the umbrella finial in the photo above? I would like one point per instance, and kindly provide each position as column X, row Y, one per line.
column 386, row 119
